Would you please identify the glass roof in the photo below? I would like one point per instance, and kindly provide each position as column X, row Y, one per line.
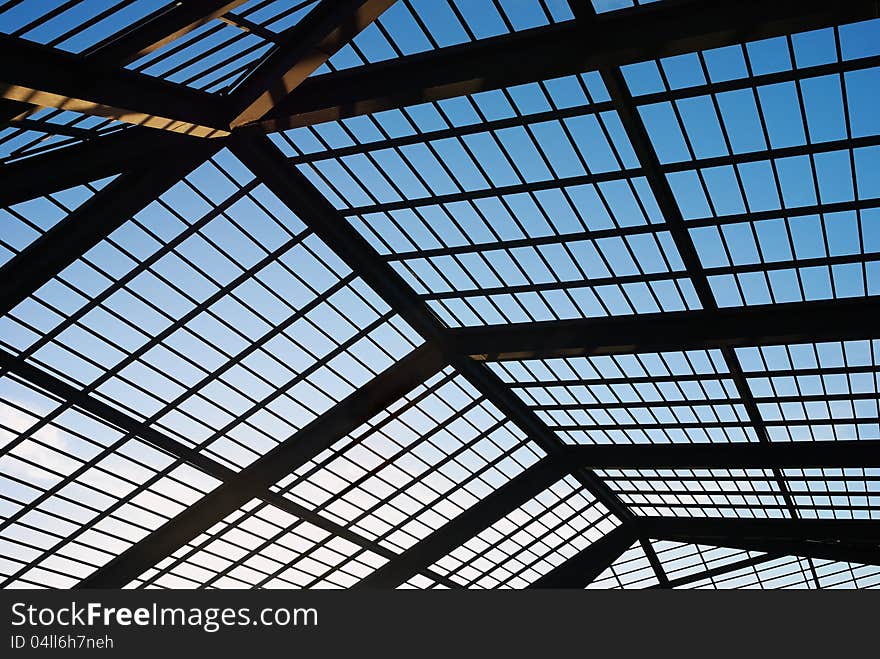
column 198, row 345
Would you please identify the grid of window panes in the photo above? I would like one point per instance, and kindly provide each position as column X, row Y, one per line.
column 700, row 492
column 816, row 391
column 634, row 398
column 530, row 541
column 76, row 492
column 516, row 205
column 764, row 571
column 208, row 317
column 216, row 319
column 684, row 565
column 416, row 466
column 261, row 546
column 771, row 148
column 218, row 55
column 408, row 27
column 631, row 570
column 851, row 493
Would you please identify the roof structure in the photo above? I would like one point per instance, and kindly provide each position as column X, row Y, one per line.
column 439, row 294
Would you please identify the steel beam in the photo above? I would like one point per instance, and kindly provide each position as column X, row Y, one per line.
column 302, row 49
column 718, row 530
column 686, row 330
column 87, row 161
column 472, row 521
column 582, row 568
column 866, row 554
column 747, row 455
column 567, row 48
column 35, row 74
column 91, row 222
column 254, row 480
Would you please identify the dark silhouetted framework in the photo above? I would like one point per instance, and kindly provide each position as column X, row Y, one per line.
column 378, row 294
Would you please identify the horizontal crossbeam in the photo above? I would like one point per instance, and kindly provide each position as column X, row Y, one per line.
column 688, row 330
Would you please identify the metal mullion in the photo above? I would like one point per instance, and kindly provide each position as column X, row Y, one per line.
column 45, row 18
column 451, row 132
column 557, row 239
column 504, row 203
column 576, row 148
column 482, row 171
column 796, row 263
column 406, row 160
column 852, row 162
column 97, row 18
column 165, row 75
column 809, row 141
column 384, row 463
column 765, row 79
column 771, row 154
column 474, row 475
column 471, row 195
column 201, row 79
column 742, row 191
column 174, row 48
column 132, row 357
column 553, row 397
column 532, row 288
column 705, row 190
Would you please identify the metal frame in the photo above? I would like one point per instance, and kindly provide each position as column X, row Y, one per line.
column 277, row 93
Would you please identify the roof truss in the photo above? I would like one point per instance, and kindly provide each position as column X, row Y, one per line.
column 278, row 94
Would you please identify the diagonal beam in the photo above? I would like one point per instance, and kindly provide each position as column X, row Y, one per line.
column 687, row 330
column 472, row 521
column 582, row 568
column 720, row 570
column 303, row 48
column 87, row 161
column 254, row 480
column 33, row 73
column 117, row 418
column 567, row 48
column 266, row 161
column 656, row 566
column 93, row 221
